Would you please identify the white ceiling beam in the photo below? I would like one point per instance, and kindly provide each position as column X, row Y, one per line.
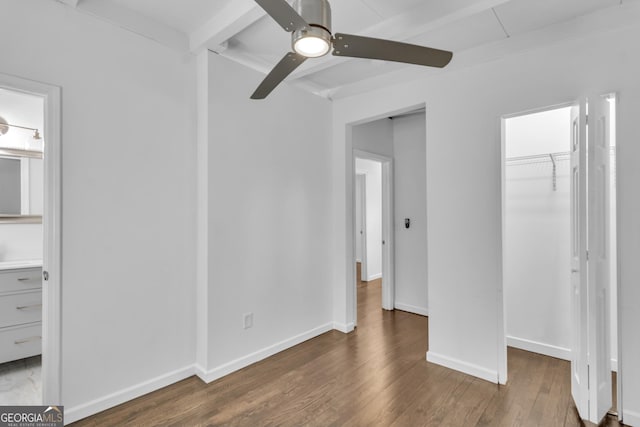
column 135, row 22
column 72, row 3
column 235, row 17
column 407, row 25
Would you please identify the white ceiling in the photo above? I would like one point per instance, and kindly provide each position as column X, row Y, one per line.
column 240, row 30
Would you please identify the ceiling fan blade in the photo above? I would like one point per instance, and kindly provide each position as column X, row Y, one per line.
column 290, row 62
column 283, row 14
column 387, row 50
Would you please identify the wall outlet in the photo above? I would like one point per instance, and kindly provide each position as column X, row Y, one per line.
column 248, row 320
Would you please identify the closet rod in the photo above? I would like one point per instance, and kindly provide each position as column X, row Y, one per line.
column 544, row 157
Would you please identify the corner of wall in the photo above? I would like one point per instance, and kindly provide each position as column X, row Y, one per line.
column 464, row 367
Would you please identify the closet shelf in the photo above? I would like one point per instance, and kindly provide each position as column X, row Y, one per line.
column 553, row 158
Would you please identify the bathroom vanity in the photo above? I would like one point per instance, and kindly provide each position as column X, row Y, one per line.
column 20, row 309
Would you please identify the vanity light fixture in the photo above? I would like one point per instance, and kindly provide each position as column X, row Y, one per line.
column 4, row 128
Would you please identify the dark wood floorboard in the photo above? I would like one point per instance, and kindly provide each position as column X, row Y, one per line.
column 375, row 376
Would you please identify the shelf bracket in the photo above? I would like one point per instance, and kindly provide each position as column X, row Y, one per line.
column 555, row 172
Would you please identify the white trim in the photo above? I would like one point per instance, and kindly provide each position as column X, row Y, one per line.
column 345, row 328
column 412, row 309
column 464, row 367
column 374, row 277
column 222, row 26
column 631, row 418
column 202, row 210
column 51, row 222
column 249, row 359
column 614, row 365
column 540, row 348
column 84, row 410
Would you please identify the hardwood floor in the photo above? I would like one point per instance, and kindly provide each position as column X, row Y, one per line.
column 375, row 376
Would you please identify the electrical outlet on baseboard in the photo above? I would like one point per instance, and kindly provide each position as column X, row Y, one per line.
column 248, row 320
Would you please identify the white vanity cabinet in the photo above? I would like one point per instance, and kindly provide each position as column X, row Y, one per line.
column 20, row 311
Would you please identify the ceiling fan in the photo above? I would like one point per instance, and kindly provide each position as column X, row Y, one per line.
column 309, row 21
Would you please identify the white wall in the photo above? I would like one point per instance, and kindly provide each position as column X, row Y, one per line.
column 373, row 201
column 374, row 137
column 410, row 199
column 269, row 199
column 23, row 110
column 20, row 242
column 463, row 183
column 128, row 199
column 537, row 281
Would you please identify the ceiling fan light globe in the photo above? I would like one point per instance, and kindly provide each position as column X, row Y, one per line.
column 312, row 46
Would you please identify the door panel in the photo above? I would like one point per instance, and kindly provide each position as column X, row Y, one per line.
column 599, row 263
column 579, row 291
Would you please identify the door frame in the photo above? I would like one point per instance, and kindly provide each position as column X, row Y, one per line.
column 363, row 238
column 388, row 245
column 502, row 333
column 51, row 223
column 344, row 311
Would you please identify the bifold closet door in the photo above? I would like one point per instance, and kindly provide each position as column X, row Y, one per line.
column 591, row 361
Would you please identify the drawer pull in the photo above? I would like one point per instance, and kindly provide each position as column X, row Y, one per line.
column 27, row 279
column 26, row 340
column 28, row 307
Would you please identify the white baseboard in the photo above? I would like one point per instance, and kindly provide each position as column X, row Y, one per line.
column 84, row 410
column 631, row 418
column 374, row 277
column 249, row 359
column 614, row 365
column 464, row 367
column 540, row 348
column 345, row 328
column 412, row 309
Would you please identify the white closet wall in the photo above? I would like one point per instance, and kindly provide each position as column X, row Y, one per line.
column 537, row 268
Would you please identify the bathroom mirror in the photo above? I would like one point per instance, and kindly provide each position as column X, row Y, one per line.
column 21, row 186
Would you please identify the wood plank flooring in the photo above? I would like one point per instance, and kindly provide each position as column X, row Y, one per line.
column 375, row 376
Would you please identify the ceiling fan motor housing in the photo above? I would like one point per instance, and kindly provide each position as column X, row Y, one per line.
column 318, row 14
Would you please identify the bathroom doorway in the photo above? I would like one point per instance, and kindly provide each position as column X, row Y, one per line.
column 30, row 267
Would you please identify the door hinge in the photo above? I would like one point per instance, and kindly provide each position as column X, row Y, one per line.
column 587, row 255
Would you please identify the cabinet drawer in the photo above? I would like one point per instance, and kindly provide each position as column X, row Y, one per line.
column 20, row 342
column 20, row 280
column 18, row 309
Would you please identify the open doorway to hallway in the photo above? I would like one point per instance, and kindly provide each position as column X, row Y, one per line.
column 389, row 233
column 368, row 195
column 541, row 204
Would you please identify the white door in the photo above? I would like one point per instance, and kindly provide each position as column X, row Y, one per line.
column 600, row 398
column 591, row 361
column 579, row 271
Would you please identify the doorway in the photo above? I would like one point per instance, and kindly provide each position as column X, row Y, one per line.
column 38, row 279
column 549, row 184
column 373, row 224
